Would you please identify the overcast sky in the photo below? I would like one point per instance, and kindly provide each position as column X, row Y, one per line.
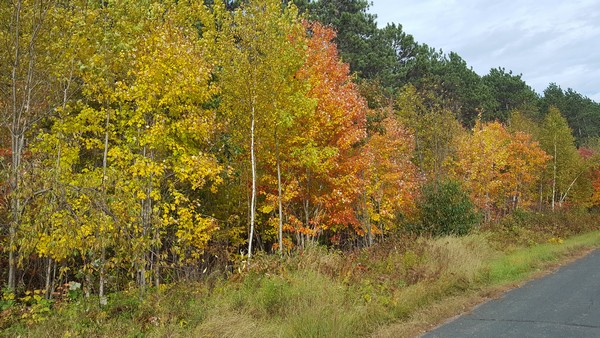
column 545, row 41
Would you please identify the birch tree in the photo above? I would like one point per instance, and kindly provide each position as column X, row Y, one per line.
column 259, row 89
column 566, row 166
column 28, row 92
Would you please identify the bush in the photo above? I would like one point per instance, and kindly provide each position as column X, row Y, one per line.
column 445, row 209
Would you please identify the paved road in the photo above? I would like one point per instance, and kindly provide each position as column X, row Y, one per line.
column 563, row 304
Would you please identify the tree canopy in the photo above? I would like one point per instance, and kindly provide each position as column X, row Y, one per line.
column 149, row 141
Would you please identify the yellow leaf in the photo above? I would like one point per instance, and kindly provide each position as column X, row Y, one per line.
column 267, row 209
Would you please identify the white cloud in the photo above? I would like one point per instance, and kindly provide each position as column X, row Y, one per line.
column 546, row 41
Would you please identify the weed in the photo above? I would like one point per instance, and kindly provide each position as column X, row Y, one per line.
column 318, row 292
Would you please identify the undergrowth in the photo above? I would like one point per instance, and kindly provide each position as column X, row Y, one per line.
column 318, row 292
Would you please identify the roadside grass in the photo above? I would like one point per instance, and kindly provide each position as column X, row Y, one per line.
column 499, row 274
column 301, row 303
column 521, row 263
column 395, row 289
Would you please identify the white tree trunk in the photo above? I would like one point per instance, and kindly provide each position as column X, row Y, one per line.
column 279, row 196
column 253, row 197
column 554, row 178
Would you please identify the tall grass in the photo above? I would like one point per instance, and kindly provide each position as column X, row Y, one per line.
column 521, row 263
column 316, row 293
column 301, row 303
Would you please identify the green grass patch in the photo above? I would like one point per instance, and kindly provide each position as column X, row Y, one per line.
column 520, row 263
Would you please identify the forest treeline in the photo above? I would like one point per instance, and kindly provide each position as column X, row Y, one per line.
column 152, row 141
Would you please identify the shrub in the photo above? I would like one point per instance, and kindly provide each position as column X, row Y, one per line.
column 445, row 209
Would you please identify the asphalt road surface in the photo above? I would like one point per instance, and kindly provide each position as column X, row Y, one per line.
column 565, row 303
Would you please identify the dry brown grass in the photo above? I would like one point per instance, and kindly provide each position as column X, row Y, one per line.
column 233, row 325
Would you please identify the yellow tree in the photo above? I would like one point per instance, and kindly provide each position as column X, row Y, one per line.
column 261, row 96
column 434, row 126
column 135, row 147
column 497, row 167
column 526, row 162
column 566, row 166
column 163, row 133
column 35, row 79
column 480, row 159
column 391, row 179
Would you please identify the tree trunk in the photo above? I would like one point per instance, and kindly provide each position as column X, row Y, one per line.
column 102, row 277
column 306, row 221
column 104, row 170
column 253, row 198
column 369, row 229
column 48, row 287
column 563, row 197
column 279, row 195
column 156, row 254
column 146, row 218
column 15, row 132
column 367, row 218
column 541, row 195
column 554, row 178
column 19, row 117
column 419, row 153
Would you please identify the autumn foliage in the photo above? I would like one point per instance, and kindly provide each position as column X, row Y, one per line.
column 169, row 138
column 325, row 147
column 499, row 168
